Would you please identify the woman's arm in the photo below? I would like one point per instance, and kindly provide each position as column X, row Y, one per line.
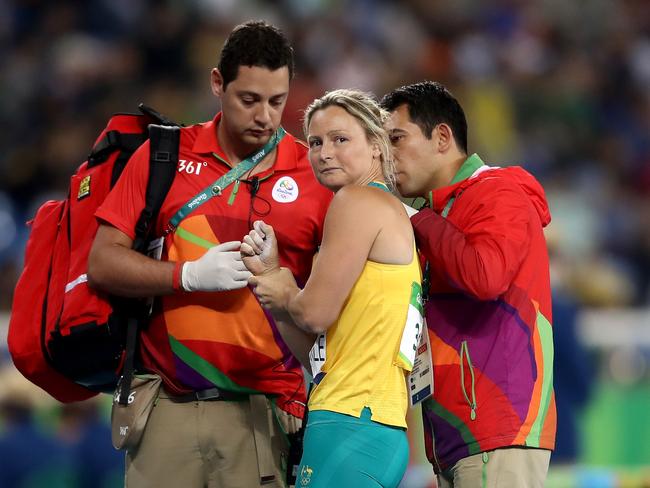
column 259, row 251
column 352, row 224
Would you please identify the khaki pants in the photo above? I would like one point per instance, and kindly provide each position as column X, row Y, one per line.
column 513, row 467
column 208, row 444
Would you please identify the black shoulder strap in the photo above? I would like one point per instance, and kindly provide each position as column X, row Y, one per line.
column 124, row 386
column 156, row 116
column 111, row 141
column 163, row 159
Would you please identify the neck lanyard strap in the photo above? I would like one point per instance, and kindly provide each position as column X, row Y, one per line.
column 216, row 188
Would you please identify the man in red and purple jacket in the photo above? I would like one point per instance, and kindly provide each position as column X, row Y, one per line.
column 491, row 419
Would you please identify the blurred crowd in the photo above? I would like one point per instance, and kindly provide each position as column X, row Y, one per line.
column 562, row 88
column 46, row 444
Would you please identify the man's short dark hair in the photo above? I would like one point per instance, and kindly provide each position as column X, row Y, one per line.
column 255, row 43
column 429, row 104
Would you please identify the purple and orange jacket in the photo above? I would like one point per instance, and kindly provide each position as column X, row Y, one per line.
column 488, row 314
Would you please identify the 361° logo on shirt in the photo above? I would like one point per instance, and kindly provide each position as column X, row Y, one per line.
column 190, row 167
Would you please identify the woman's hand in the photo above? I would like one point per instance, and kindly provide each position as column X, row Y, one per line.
column 259, row 249
column 275, row 289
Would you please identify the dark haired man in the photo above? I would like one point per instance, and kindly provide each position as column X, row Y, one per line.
column 229, row 381
column 491, row 420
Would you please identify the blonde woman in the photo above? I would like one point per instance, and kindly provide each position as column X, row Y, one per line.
column 356, row 301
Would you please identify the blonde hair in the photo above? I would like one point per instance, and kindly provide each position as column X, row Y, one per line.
column 363, row 107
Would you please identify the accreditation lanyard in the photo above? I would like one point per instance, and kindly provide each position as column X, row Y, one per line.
column 217, row 188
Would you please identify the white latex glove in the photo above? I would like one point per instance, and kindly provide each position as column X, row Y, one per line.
column 219, row 269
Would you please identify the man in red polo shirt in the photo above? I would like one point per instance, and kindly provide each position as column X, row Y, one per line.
column 227, row 375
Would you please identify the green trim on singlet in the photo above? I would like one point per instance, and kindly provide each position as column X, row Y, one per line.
column 381, row 185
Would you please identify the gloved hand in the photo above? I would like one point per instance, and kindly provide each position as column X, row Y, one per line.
column 219, row 269
column 259, row 249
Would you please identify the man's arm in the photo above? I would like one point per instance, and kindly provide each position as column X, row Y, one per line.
column 112, row 265
column 116, row 268
column 483, row 258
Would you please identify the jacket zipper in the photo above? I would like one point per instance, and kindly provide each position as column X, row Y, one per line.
column 464, row 355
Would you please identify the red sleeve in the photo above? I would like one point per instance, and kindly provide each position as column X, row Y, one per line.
column 483, row 252
column 123, row 205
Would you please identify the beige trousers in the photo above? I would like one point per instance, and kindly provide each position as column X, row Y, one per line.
column 212, row 444
column 512, row 467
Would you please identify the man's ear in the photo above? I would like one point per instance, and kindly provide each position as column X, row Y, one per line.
column 445, row 137
column 216, row 82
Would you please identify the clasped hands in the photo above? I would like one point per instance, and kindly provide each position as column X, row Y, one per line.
column 233, row 265
column 272, row 284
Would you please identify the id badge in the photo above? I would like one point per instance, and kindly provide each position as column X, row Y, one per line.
column 420, row 380
column 412, row 329
column 154, row 251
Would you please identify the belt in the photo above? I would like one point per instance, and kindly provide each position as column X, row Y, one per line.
column 209, row 395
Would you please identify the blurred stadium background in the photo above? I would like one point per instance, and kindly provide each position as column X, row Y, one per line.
column 561, row 87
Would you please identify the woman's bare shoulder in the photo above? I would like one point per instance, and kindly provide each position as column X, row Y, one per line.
column 366, row 195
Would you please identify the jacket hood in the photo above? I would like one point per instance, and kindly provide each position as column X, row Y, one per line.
column 527, row 182
column 532, row 188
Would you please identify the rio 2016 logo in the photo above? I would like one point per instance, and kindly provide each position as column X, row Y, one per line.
column 287, row 185
column 285, row 190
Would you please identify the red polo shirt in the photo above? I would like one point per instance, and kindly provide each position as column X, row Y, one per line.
column 246, row 353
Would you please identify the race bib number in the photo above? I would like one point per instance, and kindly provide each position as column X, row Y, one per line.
column 420, row 380
column 317, row 355
column 412, row 329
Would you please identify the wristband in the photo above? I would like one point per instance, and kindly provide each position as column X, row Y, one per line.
column 177, row 283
